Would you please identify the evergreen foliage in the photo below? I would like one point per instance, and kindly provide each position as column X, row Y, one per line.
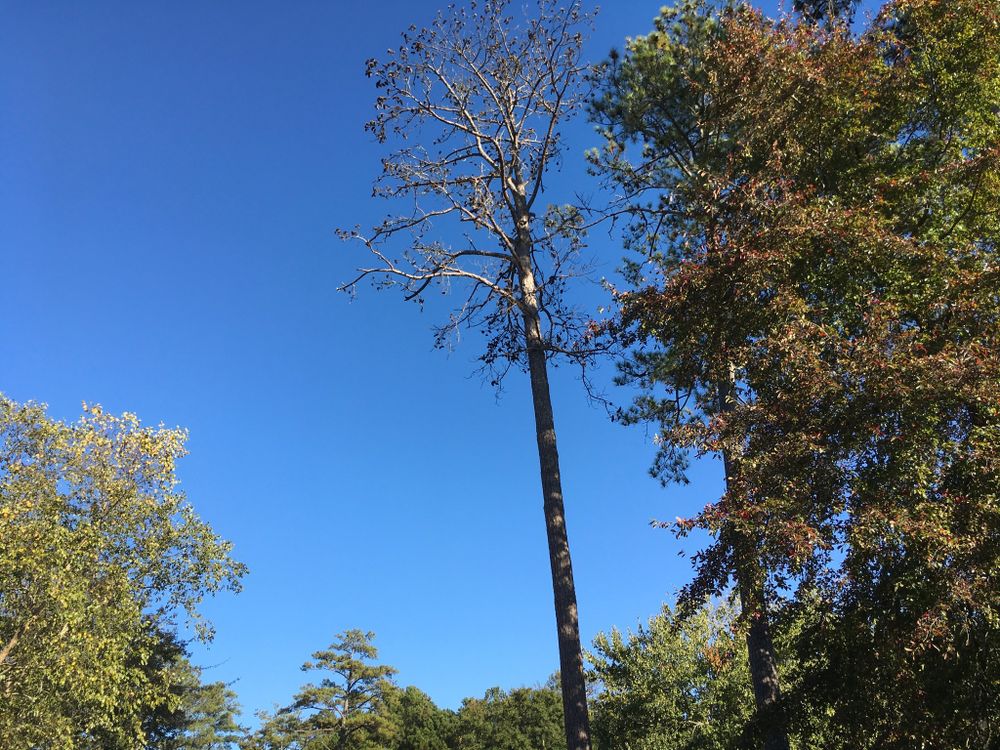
column 358, row 706
column 344, row 710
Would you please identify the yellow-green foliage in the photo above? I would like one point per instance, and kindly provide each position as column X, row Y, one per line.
column 98, row 549
column 674, row 684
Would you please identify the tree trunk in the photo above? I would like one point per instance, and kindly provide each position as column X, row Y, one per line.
column 753, row 602
column 574, row 688
column 9, row 646
column 763, row 664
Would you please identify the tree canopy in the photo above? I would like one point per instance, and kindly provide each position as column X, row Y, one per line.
column 814, row 220
column 345, row 709
column 679, row 683
column 358, row 705
column 100, row 552
column 811, row 295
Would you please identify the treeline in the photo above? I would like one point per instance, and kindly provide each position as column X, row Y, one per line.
column 357, row 704
column 676, row 682
column 809, row 295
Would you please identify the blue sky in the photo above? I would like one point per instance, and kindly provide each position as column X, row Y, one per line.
column 172, row 177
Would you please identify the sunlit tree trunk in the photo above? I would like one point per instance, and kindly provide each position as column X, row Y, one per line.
column 574, row 690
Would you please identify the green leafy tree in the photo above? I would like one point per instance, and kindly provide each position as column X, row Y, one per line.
column 206, row 717
column 167, row 664
column 658, row 98
column 194, row 715
column 417, row 723
column 163, row 665
column 816, row 302
column 475, row 104
column 522, row 719
column 99, row 551
column 675, row 684
column 345, row 711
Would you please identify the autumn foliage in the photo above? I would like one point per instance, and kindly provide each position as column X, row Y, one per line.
column 814, row 216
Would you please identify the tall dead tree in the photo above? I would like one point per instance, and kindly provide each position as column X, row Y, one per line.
column 473, row 104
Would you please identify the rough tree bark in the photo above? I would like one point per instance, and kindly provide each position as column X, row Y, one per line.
column 574, row 688
column 753, row 602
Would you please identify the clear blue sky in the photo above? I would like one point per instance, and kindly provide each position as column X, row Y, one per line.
column 172, row 174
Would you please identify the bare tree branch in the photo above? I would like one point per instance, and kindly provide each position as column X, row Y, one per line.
column 485, row 96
